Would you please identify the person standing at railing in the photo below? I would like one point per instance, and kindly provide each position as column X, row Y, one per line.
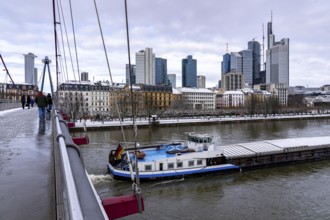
column 41, row 101
column 23, row 101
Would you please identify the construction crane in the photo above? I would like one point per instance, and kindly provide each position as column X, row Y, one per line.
column 3, row 62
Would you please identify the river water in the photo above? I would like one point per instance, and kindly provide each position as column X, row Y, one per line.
column 299, row 191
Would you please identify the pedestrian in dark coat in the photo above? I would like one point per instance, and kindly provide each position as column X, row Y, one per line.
column 23, row 101
column 28, row 101
column 49, row 103
column 41, row 101
column 32, row 102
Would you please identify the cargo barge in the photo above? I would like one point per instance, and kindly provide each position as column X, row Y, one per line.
column 200, row 156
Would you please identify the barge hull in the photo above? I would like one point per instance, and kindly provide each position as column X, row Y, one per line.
column 281, row 159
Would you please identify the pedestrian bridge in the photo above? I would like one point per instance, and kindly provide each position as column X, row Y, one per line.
column 40, row 167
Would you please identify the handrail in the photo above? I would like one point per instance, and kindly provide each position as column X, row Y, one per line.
column 75, row 211
column 83, row 201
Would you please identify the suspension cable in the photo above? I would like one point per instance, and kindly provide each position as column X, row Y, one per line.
column 67, row 41
column 74, row 38
column 62, row 41
column 109, row 70
column 136, row 187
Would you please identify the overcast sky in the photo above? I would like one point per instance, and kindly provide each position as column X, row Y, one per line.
column 174, row 29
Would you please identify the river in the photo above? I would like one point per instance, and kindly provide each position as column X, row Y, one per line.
column 290, row 192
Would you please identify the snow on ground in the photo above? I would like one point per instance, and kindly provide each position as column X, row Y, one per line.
column 4, row 112
column 90, row 123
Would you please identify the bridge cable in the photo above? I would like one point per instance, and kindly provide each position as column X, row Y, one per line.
column 135, row 184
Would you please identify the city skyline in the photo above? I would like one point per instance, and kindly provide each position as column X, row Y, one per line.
column 202, row 30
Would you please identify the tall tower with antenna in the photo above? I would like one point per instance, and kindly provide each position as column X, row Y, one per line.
column 277, row 58
column 225, row 64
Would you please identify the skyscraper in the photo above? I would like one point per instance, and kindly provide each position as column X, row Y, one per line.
column 172, row 80
column 189, row 72
column 247, row 64
column 236, row 64
column 84, row 76
column 31, row 73
column 145, row 67
column 255, row 47
column 277, row 59
column 161, row 71
column 133, row 70
column 201, row 82
column 225, row 64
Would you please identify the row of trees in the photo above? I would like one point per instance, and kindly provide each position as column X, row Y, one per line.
column 177, row 108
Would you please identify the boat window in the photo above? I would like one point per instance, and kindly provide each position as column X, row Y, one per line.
column 170, row 165
column 179, row 164
column 199, row 162
column 147, row 167
column 191, row 163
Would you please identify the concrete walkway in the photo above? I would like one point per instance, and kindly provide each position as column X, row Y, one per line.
column 26, row 166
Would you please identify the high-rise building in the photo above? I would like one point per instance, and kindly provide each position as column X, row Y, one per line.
column 256, row 49
column 189, row 72
column 277, row 59
column 161, row 71
column 232, row 81
column 31, row 73
column 225, row 64
column 172, row 80
column 133, row 72
column 201, row 82
column 247, row 64
column 145, row 67
column 236, row 65
column 84, row 76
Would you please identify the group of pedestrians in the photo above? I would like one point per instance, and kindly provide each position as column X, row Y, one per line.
column 43, row 102
column 28, row 102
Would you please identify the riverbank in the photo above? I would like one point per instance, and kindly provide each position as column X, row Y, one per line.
column 99, row 125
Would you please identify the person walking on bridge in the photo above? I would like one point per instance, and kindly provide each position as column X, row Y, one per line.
column 41, row 101
column 49, row 103
column 23, row 101
column 28, row 101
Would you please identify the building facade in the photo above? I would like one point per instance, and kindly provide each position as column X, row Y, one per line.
column 194, row 98
column 133, row 72
column 247, row 66
column 189, row 72
column 232, row 81
column 172, row 80
column 31, row 73
column 84, row 76
column 145, row 67
column 14, row 92
column 233, row 99
column 254, row 46
column 201, row 82
column 161, row 71
column 277, row 59
column 225, row 64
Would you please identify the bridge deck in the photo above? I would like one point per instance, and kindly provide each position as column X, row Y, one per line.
column 26, row 166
